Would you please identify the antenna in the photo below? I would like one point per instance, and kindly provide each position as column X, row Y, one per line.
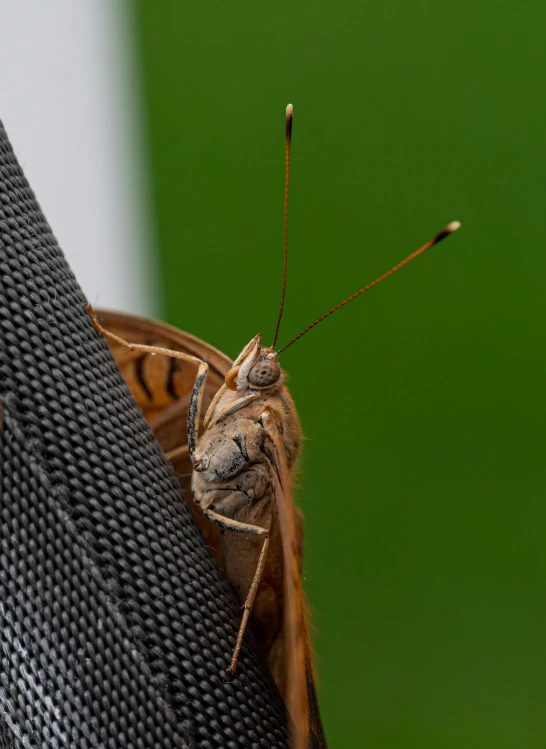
column 289, row 114
column 449, row 229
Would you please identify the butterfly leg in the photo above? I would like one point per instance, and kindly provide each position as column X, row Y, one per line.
column 196, row 397
column 234, row 525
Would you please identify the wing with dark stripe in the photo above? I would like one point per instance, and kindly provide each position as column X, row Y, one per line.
column 162, row 387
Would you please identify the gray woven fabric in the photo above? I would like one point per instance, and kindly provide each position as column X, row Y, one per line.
column 115, row 624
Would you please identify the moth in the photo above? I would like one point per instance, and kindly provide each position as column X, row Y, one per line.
column 236, row 464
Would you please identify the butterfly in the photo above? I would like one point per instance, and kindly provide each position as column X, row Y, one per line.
column 163, row 387
column 235, row 463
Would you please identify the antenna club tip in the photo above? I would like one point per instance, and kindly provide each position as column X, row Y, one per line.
column 453, row 226
column 289, row 111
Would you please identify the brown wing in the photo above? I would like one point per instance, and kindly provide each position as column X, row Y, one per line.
column 158, row 381
column 301, row 698
column 162, row 388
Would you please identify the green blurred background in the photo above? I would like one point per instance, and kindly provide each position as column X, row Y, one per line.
column 423, row 481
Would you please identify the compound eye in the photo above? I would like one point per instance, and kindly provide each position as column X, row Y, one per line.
column 264, row 373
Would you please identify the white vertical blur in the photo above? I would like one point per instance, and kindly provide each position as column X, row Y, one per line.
column 69, row 100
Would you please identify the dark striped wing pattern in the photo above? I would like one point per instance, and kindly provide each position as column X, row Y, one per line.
column 162, row 388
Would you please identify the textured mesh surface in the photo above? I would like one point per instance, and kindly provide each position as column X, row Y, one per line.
column 115, row 624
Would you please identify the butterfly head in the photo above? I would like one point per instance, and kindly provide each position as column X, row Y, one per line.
column 256, row 368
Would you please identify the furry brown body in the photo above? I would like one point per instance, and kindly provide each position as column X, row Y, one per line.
column 238, row 485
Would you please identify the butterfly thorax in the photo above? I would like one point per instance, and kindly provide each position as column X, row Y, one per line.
column 230, row 407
